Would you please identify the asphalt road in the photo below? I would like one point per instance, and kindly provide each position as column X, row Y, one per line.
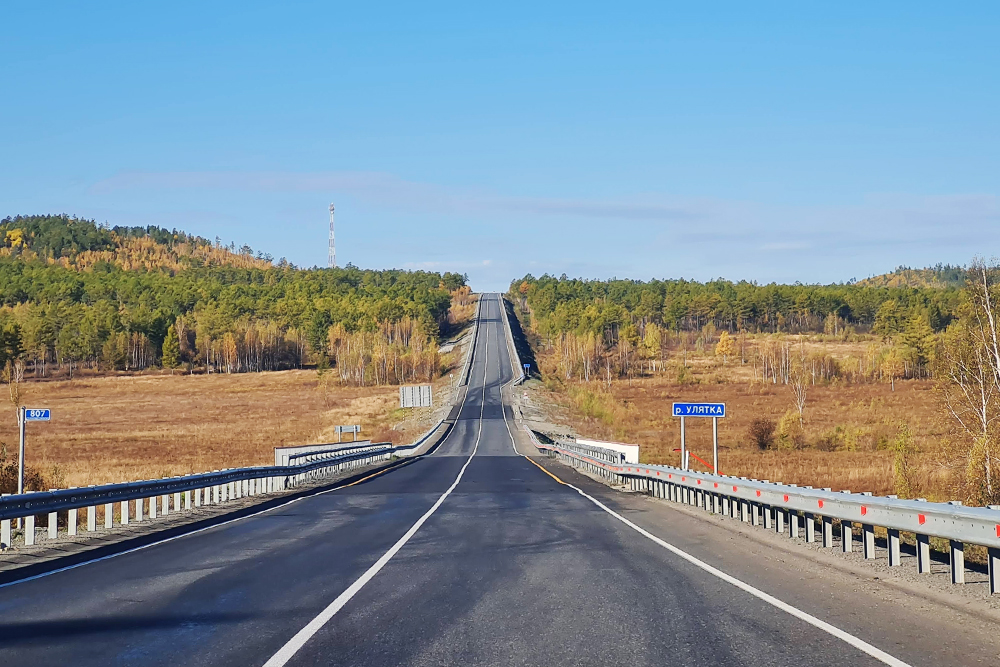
column 511, row 567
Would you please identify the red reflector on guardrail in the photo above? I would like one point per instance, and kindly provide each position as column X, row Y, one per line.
column 820, row 503
column 921, row 519
column 864, row 510
column 786, row 497
column 734, row 489
column 758, row 494
column 699, row 481
column 716, row 485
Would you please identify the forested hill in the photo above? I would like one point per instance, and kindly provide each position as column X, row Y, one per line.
column 74, row 293
column 940, row 276
column 82, row 244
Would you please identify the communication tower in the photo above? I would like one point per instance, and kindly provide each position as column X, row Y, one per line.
column 333, row 246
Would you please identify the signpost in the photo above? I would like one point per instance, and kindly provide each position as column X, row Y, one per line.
column 713, row 410
column 355, row 430
column 416, row 396
column 527, row 367
column 25, row 415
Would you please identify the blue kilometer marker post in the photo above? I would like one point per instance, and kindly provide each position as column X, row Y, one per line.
column 25, row 415
column 713, row 410
column 37, row 414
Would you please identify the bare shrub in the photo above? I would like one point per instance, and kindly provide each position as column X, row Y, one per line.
column 761, row 433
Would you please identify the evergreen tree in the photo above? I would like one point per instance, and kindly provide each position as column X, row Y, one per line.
column 171, row 349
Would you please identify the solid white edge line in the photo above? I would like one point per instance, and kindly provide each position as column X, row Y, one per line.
column 292, row 646
column 846, row 637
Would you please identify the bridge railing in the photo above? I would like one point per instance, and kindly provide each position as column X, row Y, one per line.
column 808, row 512
column 136, row 501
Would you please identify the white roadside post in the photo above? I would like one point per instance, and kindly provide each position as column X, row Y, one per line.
column 715, row 445
column 53, row 523
column 683, row 447
column 5, row 531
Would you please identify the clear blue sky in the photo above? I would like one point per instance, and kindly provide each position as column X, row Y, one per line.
column 768, row 141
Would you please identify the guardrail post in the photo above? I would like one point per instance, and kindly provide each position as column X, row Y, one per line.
column 138, row 508
column 152, row 507
column 72, row 519
column 124, row 512
column 957, row 562
column 197, row 497
column 91, row 518
column 779, row 519
column 187, row 500
column 29, row 530
column 893, row 544
column 923, row 554
column 768, row 518
column 846, row 536
column 868, row 540
column 5, row 535
column 745, row 511
column 993, row 564
column 53, row 525
column 827, row 531
column 810, row 521
column 715, row 503
column 109, row 515
column 755, row 514
column 793, row 525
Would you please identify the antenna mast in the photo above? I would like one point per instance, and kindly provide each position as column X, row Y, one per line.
column 333, row 246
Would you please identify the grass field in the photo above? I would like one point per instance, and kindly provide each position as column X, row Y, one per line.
column 848, row 440
column 113, row 429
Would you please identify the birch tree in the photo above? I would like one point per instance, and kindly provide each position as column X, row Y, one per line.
column 968, row 361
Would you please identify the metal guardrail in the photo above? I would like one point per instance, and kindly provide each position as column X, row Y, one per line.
column 467, row 370
column 203, row 488
column 796, row 510
column 334, row 449
column 510, row 341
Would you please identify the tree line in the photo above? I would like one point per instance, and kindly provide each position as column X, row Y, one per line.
column 623, row 327
column 75, row 294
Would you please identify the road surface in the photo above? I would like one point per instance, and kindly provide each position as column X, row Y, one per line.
column 473, row 555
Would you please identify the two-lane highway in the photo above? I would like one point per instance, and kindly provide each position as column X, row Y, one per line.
column 472, row 555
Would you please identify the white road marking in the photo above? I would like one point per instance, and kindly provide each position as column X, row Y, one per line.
column 856, row 642
column 293, row 645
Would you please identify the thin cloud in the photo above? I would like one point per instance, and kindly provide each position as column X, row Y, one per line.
column 388, row 190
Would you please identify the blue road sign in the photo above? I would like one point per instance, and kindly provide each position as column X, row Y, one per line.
column 699, row 410
column 526, row 367
column 37, row 414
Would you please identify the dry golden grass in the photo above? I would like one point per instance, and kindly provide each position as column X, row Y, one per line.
column 848, row 430
column 113, row 429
